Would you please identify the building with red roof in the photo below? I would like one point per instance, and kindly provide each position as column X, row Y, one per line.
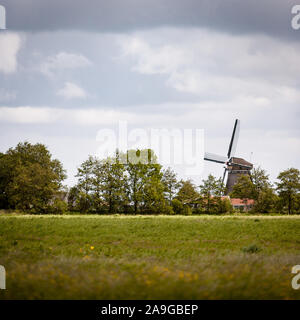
column 242, row 204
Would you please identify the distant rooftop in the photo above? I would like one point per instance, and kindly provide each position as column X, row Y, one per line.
column 241, row 161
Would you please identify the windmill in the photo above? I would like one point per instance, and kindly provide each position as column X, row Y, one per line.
column 234, row 167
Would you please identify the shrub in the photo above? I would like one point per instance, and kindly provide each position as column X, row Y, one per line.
column 225, row 206
column 198, row 210
column 187, row 210
column 58, row 207
column 168, row 210
column 177, row 206
column 253, row 248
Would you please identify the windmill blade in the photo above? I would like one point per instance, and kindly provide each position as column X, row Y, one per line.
column 224, row 174
column 234, row 139
column 214, row 157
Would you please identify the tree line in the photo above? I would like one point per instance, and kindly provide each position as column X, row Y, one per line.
column 131, row 182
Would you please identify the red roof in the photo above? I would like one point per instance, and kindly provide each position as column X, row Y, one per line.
column 241, row 161
column 241, row 202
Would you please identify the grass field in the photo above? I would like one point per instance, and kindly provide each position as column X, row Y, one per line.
column 149, row 257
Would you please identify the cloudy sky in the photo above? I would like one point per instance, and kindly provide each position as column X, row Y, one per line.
column 71, row 68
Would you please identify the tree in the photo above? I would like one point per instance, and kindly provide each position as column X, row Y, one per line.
column 178, row 207
column 297, row 203
column 145, row 189
column 85, row 184
column 101, row 185
column 258, row 187
column 211, row 191
column 187, row 191
column 58, row 206
column 73, row 198
column 260, row 180
column 135, row 183
column 266, row 201
column 243, row 188
column 288, row 187
column 97, row 186
column 153, row 191
column 5, row 178
column 225, row 206
column 110, row 182
column 171, row 184
column 30, row 178
column 85, row 175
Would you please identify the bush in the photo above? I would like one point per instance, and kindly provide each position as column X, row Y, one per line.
column 58, row 207
column 168, row 210
column 251, row 249
column 225, row 206
column 177, row 206
column 187, row 210
column 266, row 201
column 198, row 210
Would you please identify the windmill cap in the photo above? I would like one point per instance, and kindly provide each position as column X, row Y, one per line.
column 240, row 161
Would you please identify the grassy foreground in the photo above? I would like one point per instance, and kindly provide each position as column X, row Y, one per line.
column 149, row 257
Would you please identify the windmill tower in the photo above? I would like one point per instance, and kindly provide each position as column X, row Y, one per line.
column 234, row 167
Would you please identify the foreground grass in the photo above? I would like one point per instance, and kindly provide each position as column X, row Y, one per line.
column 149, row 257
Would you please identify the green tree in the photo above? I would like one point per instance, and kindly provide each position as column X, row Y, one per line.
column 171, row 184
column 30, row 178
column 58, row 206
column 211, row 191
column 145, row 189
column 244, row 188
column 73, row 198
column 5, row 179
column 135, row 183
column 261, row 182
column 266, row 201
column 85, row 184
column 97, row 186
column 225, row 206
column 297, row 203
column 258, row 187
column 187, row 191
column 178, row 207
column 85, row 175
column 153, row 191
column 136, row 162
column 101, row 185
column 110, row 183
column 288, row 188
column 131, row 178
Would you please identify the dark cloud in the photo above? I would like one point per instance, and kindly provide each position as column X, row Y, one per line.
column 272, row 17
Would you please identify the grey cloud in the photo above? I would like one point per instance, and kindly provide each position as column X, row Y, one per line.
column 271, row 17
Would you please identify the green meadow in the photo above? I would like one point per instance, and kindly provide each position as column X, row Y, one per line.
column 149, row 257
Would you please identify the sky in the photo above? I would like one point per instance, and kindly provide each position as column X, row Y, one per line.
column 71, row 68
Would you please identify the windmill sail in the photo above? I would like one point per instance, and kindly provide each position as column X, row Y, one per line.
column 214, row 157
column 224, row 174
column 234, row 139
